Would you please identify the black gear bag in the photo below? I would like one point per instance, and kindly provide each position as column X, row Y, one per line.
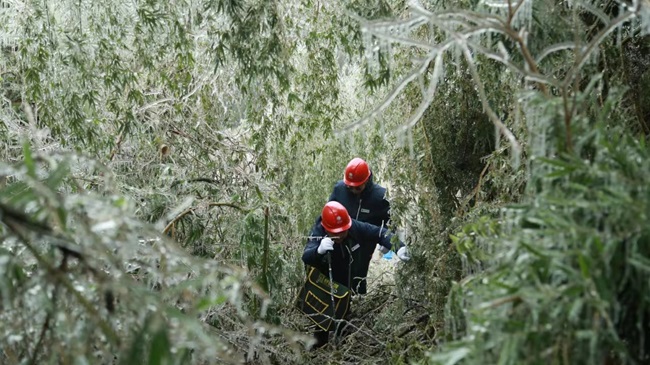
column 315, row 299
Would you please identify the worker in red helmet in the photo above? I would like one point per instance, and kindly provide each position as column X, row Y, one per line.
column 344, row 239
column 365, row 201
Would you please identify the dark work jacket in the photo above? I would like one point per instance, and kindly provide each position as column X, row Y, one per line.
column 348, row 266
column 371, row 207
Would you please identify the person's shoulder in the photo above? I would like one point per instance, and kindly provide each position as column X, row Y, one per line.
column 339, row 185
column 378, row 191
column 380, row 188
column 362, row 227
column 339, row 188
column 317, row 228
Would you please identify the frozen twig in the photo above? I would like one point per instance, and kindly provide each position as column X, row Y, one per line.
column 516, row 147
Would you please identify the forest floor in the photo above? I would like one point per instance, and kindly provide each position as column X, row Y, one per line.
column 382, row 270
column 364, row 341
column 382, row 327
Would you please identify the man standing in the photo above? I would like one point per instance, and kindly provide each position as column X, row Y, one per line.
column 345, row 240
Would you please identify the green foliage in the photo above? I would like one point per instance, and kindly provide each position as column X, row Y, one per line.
column 83, row 279
column 184, row 149
column 565, row 278
column 178, row 109
column 542, row 89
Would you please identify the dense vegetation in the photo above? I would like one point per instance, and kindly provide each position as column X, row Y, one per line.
column 163, row 161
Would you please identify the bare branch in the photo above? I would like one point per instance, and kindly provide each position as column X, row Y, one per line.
column 427, row 97
column 589, row 49
column 192, row 209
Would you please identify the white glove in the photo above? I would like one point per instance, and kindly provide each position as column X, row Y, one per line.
column 326, row 244
column 403, row 254
column 384, row 250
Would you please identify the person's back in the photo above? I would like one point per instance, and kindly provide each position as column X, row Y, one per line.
column 364, row 199
column 369, row 205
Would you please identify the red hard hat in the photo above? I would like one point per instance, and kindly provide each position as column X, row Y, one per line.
column 335, row 218
column 356, row 173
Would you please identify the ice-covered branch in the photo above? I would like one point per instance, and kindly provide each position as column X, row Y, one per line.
column 516, row 147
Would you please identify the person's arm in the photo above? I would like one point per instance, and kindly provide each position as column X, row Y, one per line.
column 380, row 206
column 384, row 211
column 385, row 240
column 310, row 255
column 372, row 233
column 339, row 192
column 333, row 194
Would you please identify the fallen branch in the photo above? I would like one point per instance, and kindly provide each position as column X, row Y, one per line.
column 200, row 179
